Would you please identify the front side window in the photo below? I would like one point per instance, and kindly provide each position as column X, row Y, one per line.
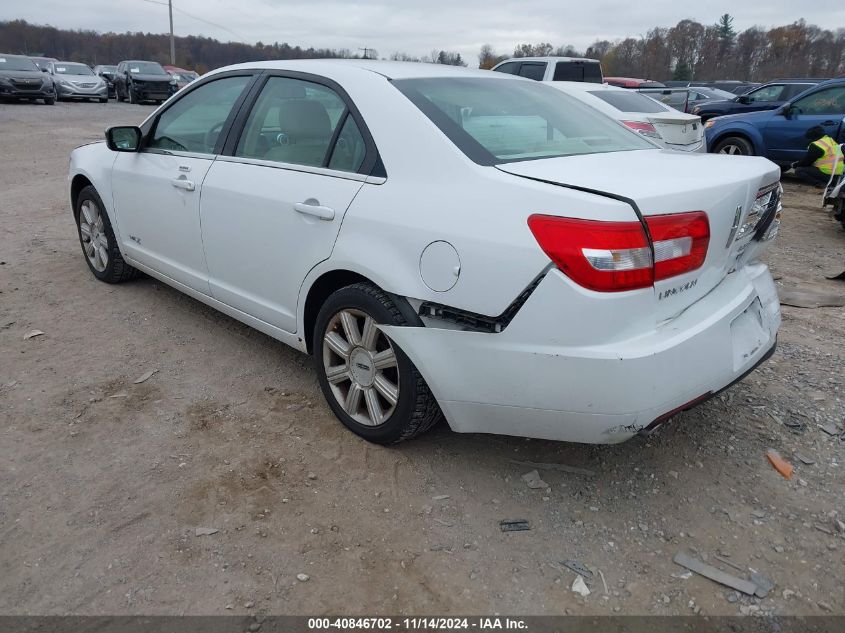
column 769, row 93
column 828, row 101
column 194, row 122
column 793, row 90
column 496, row 121
column 293, row 121
column 510, row 68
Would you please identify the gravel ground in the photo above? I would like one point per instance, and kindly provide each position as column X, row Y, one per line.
column 104, row 483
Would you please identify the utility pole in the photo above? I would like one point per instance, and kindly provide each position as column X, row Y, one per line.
column 172, row 41
column 366, row 52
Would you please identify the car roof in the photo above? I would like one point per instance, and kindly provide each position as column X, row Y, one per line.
column 388, row 69
column 18, row 56
column 548, row 59
column 585, row 86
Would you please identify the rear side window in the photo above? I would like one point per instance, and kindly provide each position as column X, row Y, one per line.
column 194, row 122
column 496, row 121
column 534, row 71
column 294, row 121
column 793, row 90
column 578, row 71
column 509, row 68
column 629, row 101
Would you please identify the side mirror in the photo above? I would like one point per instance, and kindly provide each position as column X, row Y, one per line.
column 789, row 111
column 125, row 138
column 744, row 99
column 45, row 70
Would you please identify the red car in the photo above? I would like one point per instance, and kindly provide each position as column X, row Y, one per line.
column 183, row 77
column 630, row 82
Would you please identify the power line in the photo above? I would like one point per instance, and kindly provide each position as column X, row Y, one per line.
column 199, row 19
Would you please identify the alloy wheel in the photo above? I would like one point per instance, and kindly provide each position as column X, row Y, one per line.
column 361, row 368
column 734, row 150
column 95, row 242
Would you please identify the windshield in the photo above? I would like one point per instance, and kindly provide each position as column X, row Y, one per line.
column 146, row 68
column 496, row 121
column 63, row 68
column 628, row 101
column 17, row 63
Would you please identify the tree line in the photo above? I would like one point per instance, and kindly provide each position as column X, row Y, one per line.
column 195, row 52
column 691, row 50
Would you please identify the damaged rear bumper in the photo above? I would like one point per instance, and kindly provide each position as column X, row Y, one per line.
column 535, row 380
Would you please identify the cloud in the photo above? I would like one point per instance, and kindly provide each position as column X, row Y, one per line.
column 409, row 25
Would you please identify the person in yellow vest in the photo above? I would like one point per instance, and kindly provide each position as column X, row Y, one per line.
column 823, row 157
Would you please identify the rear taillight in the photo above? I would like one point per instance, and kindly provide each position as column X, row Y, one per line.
column 617, row 256
column 646, row 129
column 680, row 242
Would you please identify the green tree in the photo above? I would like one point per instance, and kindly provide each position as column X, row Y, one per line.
column 682, row 72
column 725, row 28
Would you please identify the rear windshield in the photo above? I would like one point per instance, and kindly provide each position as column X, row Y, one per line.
column 17, row 63
column 72, row 69
column 145, row 68
column 628, row 101
column 496, row 121
column 578, row 71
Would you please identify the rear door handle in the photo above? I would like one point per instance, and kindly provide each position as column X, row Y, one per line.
column 182, row 183
column 830, row 123
column 324, row 213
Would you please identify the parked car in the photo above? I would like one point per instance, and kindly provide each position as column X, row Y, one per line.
column 699, row 95
column 20, row 78
column 731, row 86
column 77, row 81
column 766, row 97
column 444, row 240
column 630, row 82
column 42, row 62
column 107, row 73
column 656, row 121
column 676, row 98
column 183, row 77
column 138, row 81
column 552, row 68
column 779, row 134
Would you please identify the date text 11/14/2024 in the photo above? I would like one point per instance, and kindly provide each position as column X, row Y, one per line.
column 417, row 624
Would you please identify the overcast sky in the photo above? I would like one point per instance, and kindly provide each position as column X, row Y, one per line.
column 414, row 26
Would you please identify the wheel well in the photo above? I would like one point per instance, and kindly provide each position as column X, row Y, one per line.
column 320, row 291
column 78, row 183
column 741, row 135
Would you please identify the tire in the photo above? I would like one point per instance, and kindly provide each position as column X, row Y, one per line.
column 50, row 101
column 131, row 93
column 415, row 410
column 104, row 99
column 118, row 95
column 115, row 269
column 735, row 146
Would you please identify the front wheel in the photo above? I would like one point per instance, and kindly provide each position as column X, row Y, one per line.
column 133, row 98
column 369, row 383
column 98, row 241
column 735, row 146
column 49, row 101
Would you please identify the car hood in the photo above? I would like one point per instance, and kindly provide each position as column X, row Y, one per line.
column 143, row 77
column 83, row 78
column 23, row 74
column 749, row 117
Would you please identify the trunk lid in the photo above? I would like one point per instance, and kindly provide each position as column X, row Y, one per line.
column 678, row 130
column 660, row 183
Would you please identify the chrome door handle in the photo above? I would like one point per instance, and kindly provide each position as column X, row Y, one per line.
column 182, row 183
column 324, row 213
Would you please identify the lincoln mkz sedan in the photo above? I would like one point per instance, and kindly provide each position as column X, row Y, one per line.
column 445, row 243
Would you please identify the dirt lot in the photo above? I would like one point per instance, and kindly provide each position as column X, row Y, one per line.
column 104, row 482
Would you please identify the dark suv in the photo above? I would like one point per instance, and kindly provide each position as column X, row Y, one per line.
column 20, row 78
column 138, row 81
column 107, row 73
column 766, row 97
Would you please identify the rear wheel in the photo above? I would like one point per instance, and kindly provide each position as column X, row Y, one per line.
column 49, row 101
column 369, row 383
column 97, row 239
column 735, row 146
column 104, row 99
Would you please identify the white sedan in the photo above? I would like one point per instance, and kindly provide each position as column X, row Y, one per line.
column 656, row 121
column 445, row 243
